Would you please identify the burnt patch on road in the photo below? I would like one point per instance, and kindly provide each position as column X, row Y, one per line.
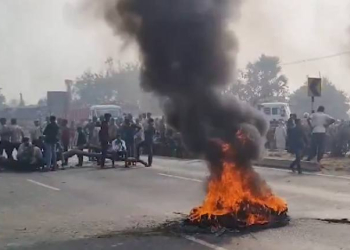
column 336, row 221
column 183, row 226
column 232, row 223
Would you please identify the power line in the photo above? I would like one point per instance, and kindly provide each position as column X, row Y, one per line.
column 316, row 58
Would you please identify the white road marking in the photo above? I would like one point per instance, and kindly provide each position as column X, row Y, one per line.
column 203, row 243
column 306, row 173
column 43, row 185
column 265, row 168
column 288, row 171
column 180, row 177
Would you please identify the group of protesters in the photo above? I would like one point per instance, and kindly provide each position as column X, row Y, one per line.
column 131, row 135
column 305, row 137
column 99, row 138
column 13, row 140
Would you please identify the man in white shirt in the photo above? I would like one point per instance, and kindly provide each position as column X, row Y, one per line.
column 5, row 136
column 36, row 132
column 319, row 122
column 16, row 134
column 118, row 149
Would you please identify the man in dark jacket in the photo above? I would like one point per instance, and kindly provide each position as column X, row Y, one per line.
column 298, row 141
column 128, row 132
column 81, row 142
column 51, row 138
column 104, row 138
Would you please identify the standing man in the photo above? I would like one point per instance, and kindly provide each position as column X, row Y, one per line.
column 65, row 135
column 5, row 134
column 144, row 120
column 36, row 134
column 16, row 135
column 290, row 126
column 104, row 138
column 81, row 142
column 148, row 142
column 89, row 128
column 129, row 130
column 281, row 137
column 113, row 130
column 319, row 122
column 139, row 136
column 51, row 138
column 298, row 141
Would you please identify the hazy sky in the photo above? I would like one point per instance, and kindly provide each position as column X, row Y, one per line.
column 43, row 42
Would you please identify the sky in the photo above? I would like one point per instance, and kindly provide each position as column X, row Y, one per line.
column 44, row 42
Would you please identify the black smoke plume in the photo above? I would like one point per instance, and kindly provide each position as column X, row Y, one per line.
column 188, row 56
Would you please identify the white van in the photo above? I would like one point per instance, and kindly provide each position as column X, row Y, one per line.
column 275, row 111
column 100, row 110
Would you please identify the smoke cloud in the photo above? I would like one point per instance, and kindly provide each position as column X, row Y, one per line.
column 188, row 55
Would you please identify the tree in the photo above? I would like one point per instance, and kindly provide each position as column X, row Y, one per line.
column 261, row 81
column 42, row 101
column 117, row 84
column 335, row 101
column 13, row 103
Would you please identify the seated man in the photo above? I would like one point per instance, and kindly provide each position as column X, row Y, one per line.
column 118, row 149
column 29, row 157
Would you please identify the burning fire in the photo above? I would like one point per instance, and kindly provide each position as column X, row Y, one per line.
column 238, row 193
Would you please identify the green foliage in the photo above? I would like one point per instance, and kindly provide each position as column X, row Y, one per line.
column 112, row 86
column 261, row 81
column 335, row 101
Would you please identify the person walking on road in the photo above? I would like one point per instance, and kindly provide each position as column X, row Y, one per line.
column 298, row 141
column 319, row 122
column 147, row 144
column 51, row 138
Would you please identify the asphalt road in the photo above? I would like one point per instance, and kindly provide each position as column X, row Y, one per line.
column 90, row 208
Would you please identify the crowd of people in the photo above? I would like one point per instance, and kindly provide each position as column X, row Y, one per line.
column 306, row 137
column 99, row 138
column 127, row 137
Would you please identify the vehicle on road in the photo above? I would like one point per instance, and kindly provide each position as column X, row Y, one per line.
column 100, row 110
column 275, row 111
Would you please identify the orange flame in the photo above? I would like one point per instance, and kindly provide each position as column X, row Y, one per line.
column 239, row 190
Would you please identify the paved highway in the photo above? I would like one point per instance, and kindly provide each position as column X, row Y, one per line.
column 89, row 208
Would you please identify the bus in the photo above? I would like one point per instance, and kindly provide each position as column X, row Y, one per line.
column 275, row 111
column 100, row 110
